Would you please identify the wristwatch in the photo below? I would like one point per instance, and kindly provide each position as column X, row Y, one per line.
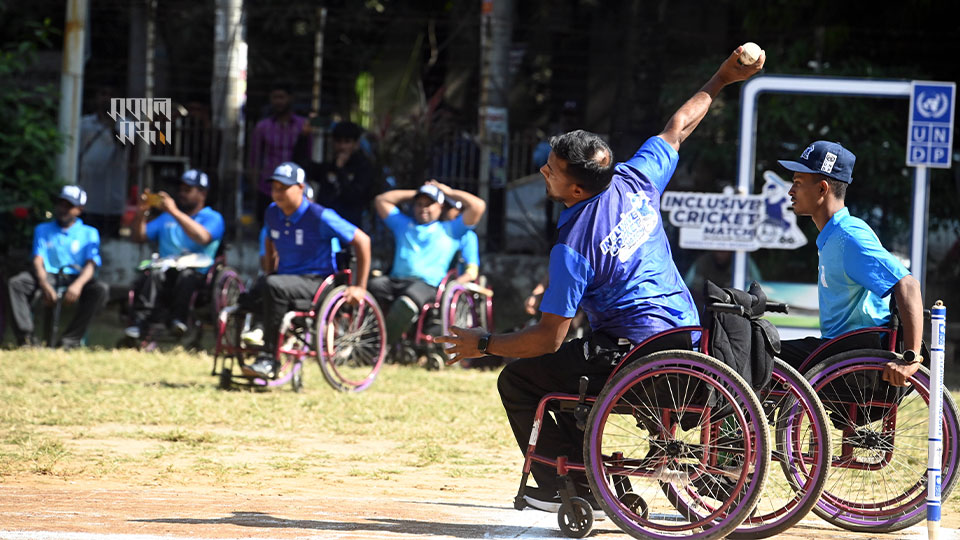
column 911, row 357
column 483, row 343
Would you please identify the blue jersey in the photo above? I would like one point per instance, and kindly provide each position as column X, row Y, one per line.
column 612, row 257
column 308, row 240
column 173, row 240
column 424, row 251
column 856, row 277
column 64, row 247
column 263, row 241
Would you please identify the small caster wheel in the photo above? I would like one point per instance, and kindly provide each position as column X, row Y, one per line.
column 296, row 380
column 576, row 518
column 636, row 504
column 435, row 361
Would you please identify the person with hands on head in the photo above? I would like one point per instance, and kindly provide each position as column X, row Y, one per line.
column 302, row 242
column 469, row 266
column 65, row 244
column 857, row 274
column 612, row 259
column 185, row 225
column 425, row 247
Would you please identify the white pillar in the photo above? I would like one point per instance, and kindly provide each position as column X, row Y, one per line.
column 71, row 88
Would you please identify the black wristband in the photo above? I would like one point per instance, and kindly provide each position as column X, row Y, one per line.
column 483, row 343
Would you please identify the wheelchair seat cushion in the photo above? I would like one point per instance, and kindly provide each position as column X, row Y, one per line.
column 300, row 304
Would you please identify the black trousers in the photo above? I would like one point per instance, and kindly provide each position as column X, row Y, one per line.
column 523, row 383
column 278, row 291
column 23, row 290
column 386, row 289
column 164, row 296
column 795, row 351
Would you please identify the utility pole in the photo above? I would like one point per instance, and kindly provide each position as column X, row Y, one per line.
column 495, row 29
column 227, row 95
column 318, row 134
column 144, row 171
column 71, row 88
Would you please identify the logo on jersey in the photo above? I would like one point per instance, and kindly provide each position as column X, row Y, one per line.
column 633, row 229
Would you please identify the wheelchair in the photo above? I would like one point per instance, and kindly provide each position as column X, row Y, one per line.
column 462, row 304
column 348, row 342
column 877, row 481
column 221, row 287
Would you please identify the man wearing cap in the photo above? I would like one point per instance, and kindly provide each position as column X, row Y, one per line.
column 65, row 245
column 857, row 275
column 302, row 242
column 424, row 248
column 186, row 225
column 469, row 264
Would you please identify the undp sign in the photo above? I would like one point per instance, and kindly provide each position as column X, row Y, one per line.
column 931, row 124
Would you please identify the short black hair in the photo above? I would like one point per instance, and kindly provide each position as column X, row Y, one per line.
column 589, row 158
column 282, row 85
column 838, row 188
column 347, row 130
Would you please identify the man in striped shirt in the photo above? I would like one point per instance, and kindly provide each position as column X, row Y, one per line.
column 272, row 143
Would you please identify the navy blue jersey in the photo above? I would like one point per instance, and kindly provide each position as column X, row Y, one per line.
column 307, row 241
column 612, row 257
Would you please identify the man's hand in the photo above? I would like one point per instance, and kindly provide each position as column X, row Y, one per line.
column 355, row 295
column 897, row 374
column 464, row 341
column 731, row 70
column 531, row 303
column 168, row 205
column 72, row 293
column 447, row 190
column 49, row 293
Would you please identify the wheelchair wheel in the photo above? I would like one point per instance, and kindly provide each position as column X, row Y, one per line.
column 351, row 341
column 576, row 518
column 687, row 438
column 227, row 288
column 459, row 308
column 802, row 450
column 878, row 478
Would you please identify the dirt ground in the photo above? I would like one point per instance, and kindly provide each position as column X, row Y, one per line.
column 421, row 505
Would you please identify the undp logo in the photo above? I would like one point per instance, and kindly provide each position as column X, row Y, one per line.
column 932, row 105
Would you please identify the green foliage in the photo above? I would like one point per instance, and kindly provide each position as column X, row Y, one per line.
column 29, row 141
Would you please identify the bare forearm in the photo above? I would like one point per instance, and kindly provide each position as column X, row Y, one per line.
column 40, row 270
column 473, row 206
column 389, row 200
column 139, row 228
column 530, row 342
column 194, row 230
column 910, row 305
column 688, row 116
column 361, row 243
column 86, row 274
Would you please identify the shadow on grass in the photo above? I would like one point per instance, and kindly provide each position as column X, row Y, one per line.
column 411, row 527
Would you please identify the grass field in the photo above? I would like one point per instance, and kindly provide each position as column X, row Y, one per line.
column 158, row 419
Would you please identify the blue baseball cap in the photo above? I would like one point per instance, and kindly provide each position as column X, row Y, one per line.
column 431, row 191
column 289, row 173
column 196, row 178
column 74, row 195
column 830, row 159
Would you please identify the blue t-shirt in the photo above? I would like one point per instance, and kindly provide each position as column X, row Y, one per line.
column 62, row 247
column 856, row 276
column 424, row 251
column 263, row 241
column 173, row 241
column 308, row 240
column 612, row 256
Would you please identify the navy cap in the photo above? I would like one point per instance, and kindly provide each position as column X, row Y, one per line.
column 826, row 158
column 196, row 178
column 454, row 204
column 431, row 191
column 289, row 173
column 74, row 195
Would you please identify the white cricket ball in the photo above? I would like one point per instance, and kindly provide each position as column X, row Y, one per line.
column 751, row 53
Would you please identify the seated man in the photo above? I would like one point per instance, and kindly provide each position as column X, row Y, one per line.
column 612, row 259
column 185, row 226
column 857, row 275
column 469, row 264
column 424, row 249
column 64, row 243
column 302, row 244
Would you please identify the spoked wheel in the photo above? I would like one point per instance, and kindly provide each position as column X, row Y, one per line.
column 460, row 308
column 802, row 451
column 689, row 435
column 878, row 478
column 351, row 341
column 576, row 518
